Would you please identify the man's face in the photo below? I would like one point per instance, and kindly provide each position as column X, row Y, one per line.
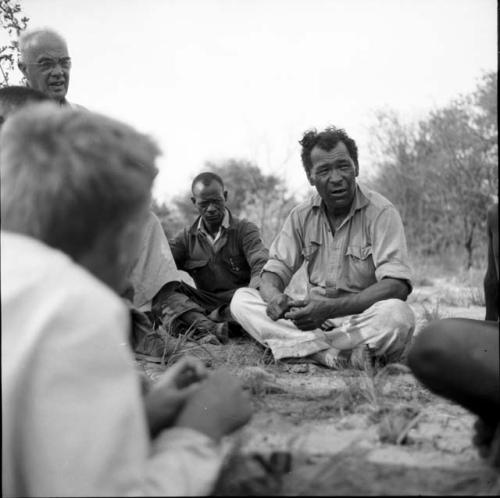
column 46, row 65
column 210, row 201
column 333, row 173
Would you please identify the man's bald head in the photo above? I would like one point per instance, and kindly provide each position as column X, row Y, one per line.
column 45, row 62
column 36, row 37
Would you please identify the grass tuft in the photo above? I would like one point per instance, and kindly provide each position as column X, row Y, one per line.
column 431, row 314
column 176, row 347
column 372, row 393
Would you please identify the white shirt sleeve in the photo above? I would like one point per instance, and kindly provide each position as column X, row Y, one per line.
column 81, row 428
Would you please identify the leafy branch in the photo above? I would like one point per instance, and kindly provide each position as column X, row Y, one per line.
column 13, row 22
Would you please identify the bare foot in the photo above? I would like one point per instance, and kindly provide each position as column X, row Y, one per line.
column 330, row 358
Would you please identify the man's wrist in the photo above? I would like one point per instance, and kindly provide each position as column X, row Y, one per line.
column 269, row 293
column 340, row 306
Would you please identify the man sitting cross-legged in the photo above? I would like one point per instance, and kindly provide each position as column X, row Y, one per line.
column 75, row 193
column 352, row 242
column 221, row 253
column 458, row 358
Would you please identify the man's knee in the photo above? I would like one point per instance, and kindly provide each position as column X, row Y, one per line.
column 242, row 300
column 431, row 349
column 398, row 313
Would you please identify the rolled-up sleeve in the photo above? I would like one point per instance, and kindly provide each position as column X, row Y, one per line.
column 389, row 251
column 285, row 253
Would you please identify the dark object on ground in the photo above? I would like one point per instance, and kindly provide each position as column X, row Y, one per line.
column 458, row 359
column 254, row 474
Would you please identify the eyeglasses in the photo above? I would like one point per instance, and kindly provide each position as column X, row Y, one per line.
column 47, row 65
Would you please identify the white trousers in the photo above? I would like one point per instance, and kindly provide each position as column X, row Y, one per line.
column 386, row 327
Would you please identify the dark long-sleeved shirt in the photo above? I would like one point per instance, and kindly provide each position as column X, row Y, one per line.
column 234, row 260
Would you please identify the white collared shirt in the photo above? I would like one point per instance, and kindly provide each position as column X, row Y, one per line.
column 73, row 418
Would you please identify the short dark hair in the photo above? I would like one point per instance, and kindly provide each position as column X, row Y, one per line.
column 17, row 96
column 206, row 178
column 326, row 140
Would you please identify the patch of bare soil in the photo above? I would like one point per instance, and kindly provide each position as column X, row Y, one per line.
column 322, row 432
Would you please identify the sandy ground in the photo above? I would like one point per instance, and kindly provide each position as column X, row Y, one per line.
column 345, row 432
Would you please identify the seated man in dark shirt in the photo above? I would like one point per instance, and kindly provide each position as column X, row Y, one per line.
column 458, row 358
column 221, row 253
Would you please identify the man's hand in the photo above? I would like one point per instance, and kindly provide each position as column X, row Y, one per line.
column 277, row 306
column 167, row 397
column 218, row 407
column 310, row 313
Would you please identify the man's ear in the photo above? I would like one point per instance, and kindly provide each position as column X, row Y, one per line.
column 225, row 195
column 22, row 68
column 310, row 177
column 193, row 200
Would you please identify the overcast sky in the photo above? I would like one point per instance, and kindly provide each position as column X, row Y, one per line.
column 213, row 79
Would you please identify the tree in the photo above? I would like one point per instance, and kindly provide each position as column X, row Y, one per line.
column 13, row 22
column 467, row 171
column 263, row 199
column 441, row 172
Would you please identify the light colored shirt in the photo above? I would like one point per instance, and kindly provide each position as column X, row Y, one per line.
column 368, row 246
column 155, row 266
column 73, row 419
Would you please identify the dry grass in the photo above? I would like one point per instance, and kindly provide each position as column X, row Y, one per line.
column 170, row 348
column 376, row 394
column 420, row 280
column 387, row 399
column 431, row 313
column 462, row 297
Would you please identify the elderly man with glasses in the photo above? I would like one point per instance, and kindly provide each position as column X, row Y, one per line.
column 45, row 63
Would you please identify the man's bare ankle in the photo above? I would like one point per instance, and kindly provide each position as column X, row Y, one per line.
column 330, row 358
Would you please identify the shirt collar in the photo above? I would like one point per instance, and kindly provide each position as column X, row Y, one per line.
column 225, row 222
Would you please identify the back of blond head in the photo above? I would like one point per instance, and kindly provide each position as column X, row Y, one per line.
column 70, row 176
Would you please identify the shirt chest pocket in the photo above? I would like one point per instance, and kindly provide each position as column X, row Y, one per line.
column 310, row 252
column 236, row 264
column 360, row 269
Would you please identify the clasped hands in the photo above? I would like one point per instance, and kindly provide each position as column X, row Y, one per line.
column 188, row 396
column 306, row 314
